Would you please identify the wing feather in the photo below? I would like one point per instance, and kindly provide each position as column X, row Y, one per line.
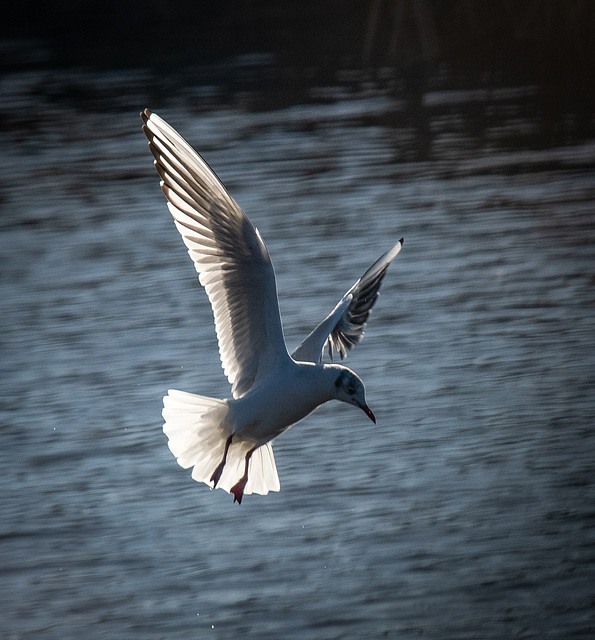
column 231, row 259
column 344, row 327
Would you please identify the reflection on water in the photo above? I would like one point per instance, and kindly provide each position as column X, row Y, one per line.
column 466, row 512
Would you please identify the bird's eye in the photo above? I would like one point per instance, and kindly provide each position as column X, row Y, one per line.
column 350, row 390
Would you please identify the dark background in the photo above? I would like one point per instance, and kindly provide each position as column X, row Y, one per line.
column 547, row 41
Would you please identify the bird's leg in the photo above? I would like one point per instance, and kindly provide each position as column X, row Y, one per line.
column 219, row 470
column 238, row 489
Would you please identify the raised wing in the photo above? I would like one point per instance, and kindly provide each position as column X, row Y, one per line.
column 231, row 259
column 344, row 327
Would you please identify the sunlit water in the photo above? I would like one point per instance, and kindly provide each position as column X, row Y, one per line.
column 466, row 512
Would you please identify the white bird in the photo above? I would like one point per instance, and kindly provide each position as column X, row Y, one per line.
column 229, row 442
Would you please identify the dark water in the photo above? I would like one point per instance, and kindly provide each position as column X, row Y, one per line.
column 466, row 512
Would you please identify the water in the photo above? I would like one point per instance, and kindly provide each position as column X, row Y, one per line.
column 466, row 512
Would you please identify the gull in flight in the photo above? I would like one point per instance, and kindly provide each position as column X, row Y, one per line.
column 229, row 442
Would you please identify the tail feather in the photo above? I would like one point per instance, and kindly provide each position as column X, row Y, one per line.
column 197, row 431
column 262, row 475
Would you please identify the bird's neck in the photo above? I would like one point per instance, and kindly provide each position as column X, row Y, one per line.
column 320, row 380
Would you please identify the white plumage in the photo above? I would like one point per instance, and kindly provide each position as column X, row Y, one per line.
column 229, row 442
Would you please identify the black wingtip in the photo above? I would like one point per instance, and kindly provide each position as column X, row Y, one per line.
column 402, row 241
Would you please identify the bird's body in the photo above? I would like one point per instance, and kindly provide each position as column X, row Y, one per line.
column 273, row 406
column 229, row 442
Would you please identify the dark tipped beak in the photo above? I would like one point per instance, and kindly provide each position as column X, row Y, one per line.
column 366, row 409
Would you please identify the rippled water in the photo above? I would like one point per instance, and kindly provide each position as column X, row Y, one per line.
column 466, row 512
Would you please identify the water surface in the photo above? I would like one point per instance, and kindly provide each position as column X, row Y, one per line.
column 466, row 512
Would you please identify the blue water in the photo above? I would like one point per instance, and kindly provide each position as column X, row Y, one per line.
column 466, row 512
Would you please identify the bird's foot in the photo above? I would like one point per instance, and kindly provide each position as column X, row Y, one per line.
column 217, row 474
column 238, row 490
column 219, row 470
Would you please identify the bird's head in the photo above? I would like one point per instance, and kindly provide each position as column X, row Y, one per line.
column 350, row 389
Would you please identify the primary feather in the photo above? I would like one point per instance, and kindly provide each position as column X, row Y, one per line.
column 229, row 255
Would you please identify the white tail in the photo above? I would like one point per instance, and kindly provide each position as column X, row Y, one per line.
column 197, row 431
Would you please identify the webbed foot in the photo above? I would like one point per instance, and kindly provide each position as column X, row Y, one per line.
column 217, row 473
column 219, row 469
column 238, row 490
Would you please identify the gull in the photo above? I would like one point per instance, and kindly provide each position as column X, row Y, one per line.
column 229, row 442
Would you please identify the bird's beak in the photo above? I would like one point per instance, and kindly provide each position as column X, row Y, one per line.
column 366, row 409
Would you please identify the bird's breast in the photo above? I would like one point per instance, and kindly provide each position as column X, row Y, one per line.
column 270, row 409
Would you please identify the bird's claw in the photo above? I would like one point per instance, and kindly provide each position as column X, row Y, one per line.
column 238, row 490
column 217, row 474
